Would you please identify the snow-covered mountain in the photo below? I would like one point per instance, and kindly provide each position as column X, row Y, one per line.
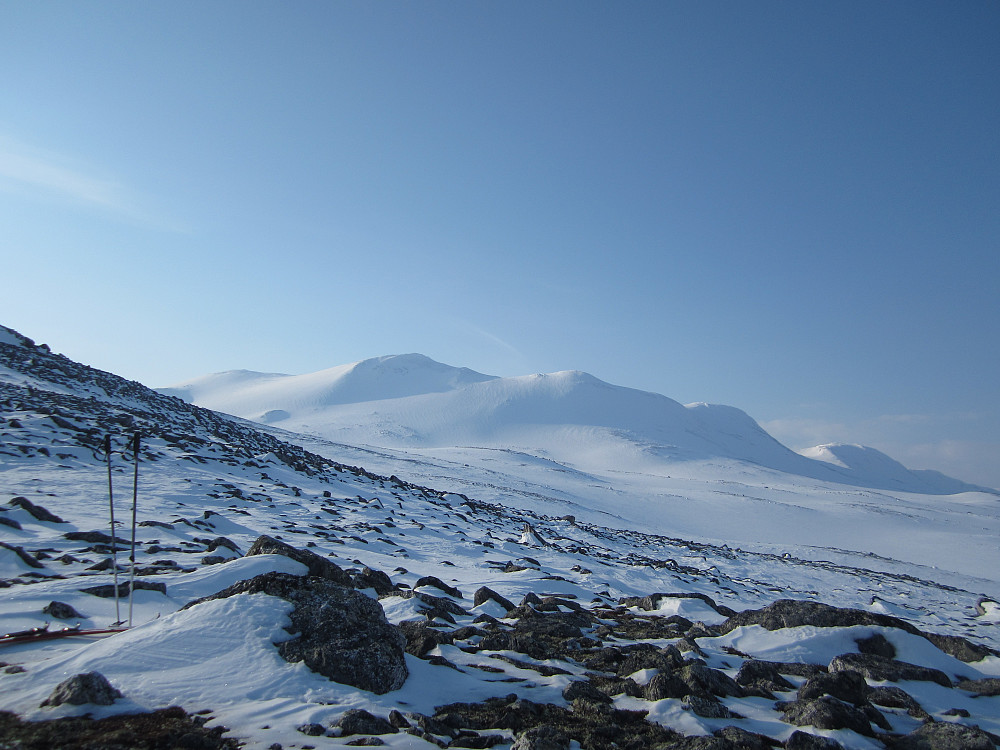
column 411, row 401
column 622, row 634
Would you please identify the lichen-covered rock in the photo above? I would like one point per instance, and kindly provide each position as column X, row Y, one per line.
column 792, row 613
column 318, row 566
column 880, row 669
column 359, row 721
column 81, row 689
column 895, row 697
column 705, row 681
column 805, row 741
column 368, row 578
column 826, row 712
column 338, row 632
column 848, row 685
column 583, row 690
column 989, row 686
column 61, row 611
column 876, row 644
column 943, row 735
column 544, row 737
column 485, row 594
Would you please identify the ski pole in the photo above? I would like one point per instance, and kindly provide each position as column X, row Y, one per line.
column 135, row 499
column 114, row 548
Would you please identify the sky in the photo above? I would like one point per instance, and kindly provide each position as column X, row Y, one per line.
column 792, row 208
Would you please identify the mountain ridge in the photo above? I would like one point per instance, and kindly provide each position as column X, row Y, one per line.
column 412, row 400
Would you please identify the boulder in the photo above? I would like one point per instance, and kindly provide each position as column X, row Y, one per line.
column 318, row 566
column 485, row 594
column 876, row 644
column 826, row 712
column 359, row 721
column 87, row 688
column 881, row 669
column 848, row 686
column 793, row 613
column 61, row 611
column 805, row 741
column 339, row 633
column 36, row 511
column 943, row 736
column 374, row 579
column 544, row 737
column 989, row 686
column 440, row 585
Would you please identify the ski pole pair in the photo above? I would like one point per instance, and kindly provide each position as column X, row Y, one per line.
column 114, row 543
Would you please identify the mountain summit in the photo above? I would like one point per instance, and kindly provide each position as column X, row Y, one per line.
column 411, row 401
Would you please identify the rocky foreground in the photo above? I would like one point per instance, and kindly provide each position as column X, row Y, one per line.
column 614, row 654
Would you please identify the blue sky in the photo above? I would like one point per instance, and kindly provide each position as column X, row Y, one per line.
column 787, row 207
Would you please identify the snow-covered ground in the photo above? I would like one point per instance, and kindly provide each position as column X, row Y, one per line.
column 610, row 517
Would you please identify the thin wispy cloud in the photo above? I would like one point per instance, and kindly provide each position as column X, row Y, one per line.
column 27, row 168
column 38, row 173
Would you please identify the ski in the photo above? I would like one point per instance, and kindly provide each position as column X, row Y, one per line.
column 44, row 634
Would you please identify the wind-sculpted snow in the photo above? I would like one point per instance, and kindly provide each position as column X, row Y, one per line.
column 525, row 612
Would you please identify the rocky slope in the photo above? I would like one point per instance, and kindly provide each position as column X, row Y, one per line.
column 297, row 601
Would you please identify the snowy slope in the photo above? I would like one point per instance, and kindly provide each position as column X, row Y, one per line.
column 209, row 486
column 413, row 402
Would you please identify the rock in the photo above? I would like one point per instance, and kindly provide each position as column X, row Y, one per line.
column 805, row 741
column 87, row 688
column 762, row 674
column 709, row 708
column 94, row 537
column 652, row 601
column 421, row 637
column 665, row 685
column 485, row 594
column 741, row 739
column 22, row 555
column 107, row 591
column 961, row 648
column 880, row 669
column 541, row 738
column 988, row 686
column 706, row 681
column 792, row 613
column 311, row 730
column 583, row 690
column 437, row 583
column 10, row 522
column 341, row 633
column 366, row 742
column 878, row 645
column 223, row 542
column 359, row 721
column 943, row 736
column 849, row 686
column 37, row 511
column 61, row 611
column 826, row 712
column 318, row 566
column 896, row 697
column 374, row 579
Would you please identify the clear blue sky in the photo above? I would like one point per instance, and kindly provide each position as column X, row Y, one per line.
column 793, row 208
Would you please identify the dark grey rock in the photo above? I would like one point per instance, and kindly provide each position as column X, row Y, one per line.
column 583, row 690
column 541, row 738
column 848, row 685
column 318, row 566
column 880, row 669
column 762, row 674
column 961, row 648
column 485, row 594
column 37, row 511
column 876, row 644
column 665, row 685
column 988, row 686
column 340, row 633
column 311, row 730
column 805, row 741
column 895, row 697
column 706, row 681
column 81, row 689
column 107, row 591
column 359, row 721
column 24, row 556
column 741, row 739
column 826, row 712
column 94, row 537
column 709, row 708
column 61, row 611
column 437, row 583
column 10, row 522
column 652, row 601
column 792, row 613
column 374, row 579
column 943, row 735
